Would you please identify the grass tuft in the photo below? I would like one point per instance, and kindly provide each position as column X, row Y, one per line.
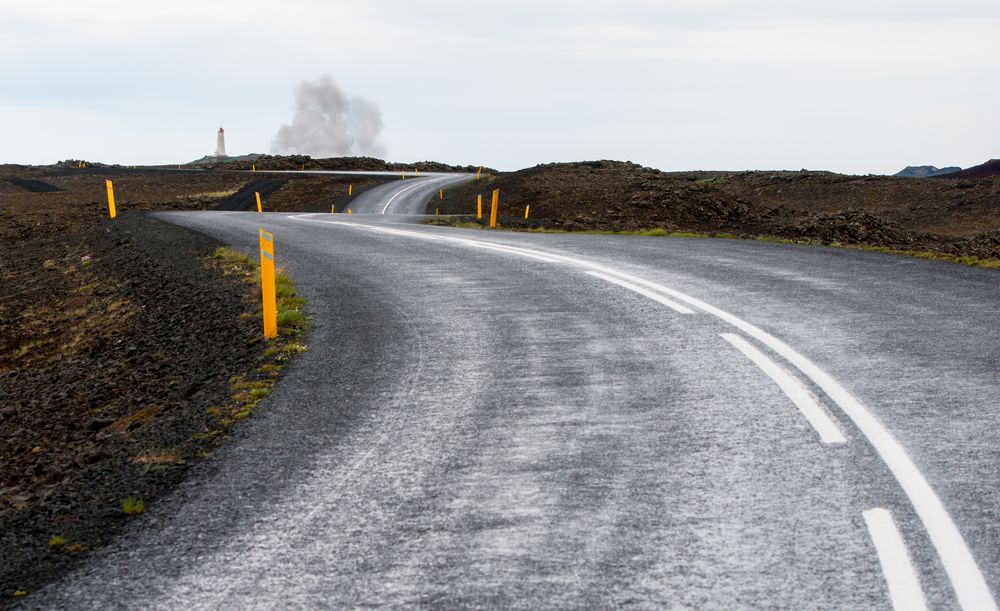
column 133, row 505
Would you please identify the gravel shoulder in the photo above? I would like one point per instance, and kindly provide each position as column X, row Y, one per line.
column 128, row 351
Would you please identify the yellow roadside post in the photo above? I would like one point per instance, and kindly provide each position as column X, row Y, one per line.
column 479, row 206
column 267, row 287
column 493, row 208
column 349, row 211
column 437, row 211
column 526, row 208
column 333, row 209
column 303, row 168
column 416, row 171
column 441, row 194
column 478, row 172
column 259, row 208
column 402, row 175
column 253, row 168
column 111, row 199
column 350, row 190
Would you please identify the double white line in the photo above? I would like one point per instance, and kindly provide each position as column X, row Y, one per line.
column 967, row 580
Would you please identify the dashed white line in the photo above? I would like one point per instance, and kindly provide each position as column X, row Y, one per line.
column 673, row 305
column 956, row 557
column 828, row 430
column 900, row 575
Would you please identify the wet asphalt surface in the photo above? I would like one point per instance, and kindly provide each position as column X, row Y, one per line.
column 475, row 428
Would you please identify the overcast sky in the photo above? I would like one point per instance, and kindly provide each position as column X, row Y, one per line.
column 861, row 86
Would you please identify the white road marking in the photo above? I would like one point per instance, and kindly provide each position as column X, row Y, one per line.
column 405, row 189
column 673, row 305
column 828, row 430
column 966, row 579
column 900, row 575
column 480, row 245
column 391, row 231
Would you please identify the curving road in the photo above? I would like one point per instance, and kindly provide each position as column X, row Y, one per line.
column 521, row 420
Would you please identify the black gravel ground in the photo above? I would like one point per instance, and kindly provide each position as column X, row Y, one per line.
column 127, row 352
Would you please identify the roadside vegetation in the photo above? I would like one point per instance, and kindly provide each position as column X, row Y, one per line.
column 249, row 389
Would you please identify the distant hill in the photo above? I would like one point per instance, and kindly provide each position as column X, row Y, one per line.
column 986, row 170
column 926, row 171
column 212, row 159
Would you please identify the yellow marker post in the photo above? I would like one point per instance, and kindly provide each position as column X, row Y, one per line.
column 253, row 168
column 526, row 208
column 111, row 199
column 402, row 175
column 478, row 172
column 416, row 171
column 437, row 211
column 479, row 206
column 349, row 211
column 267, row 287
column 493, row 208
column 303, row 168
column 259, row 208
column 441, row 194
column 350, row 190
column 333, row 209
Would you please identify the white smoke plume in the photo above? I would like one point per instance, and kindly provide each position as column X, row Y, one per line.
column 328, row 123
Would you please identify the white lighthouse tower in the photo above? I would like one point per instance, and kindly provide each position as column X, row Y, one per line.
column 220, row 146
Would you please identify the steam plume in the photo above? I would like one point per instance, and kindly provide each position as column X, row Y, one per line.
column 328, row 123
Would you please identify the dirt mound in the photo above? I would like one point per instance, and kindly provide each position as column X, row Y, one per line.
column 951, row 216
column 945, row 207
column 32, row 186
column 851, row 227
column 613, row 195
column 985, row 246
column 986, row 170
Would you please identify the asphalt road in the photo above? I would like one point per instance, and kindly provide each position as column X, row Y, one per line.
column 493, row 419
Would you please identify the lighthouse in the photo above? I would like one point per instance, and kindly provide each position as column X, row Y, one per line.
column 220, row 146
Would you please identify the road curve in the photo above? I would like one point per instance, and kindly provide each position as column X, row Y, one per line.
column 522, row 420
column 407, row 196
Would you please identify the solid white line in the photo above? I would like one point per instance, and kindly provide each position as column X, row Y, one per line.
column 900, row 575
column 401, row 191
column 963, row 572
column 515, row 251
column 828, row 430
column 397, row 232
column 673, row 305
